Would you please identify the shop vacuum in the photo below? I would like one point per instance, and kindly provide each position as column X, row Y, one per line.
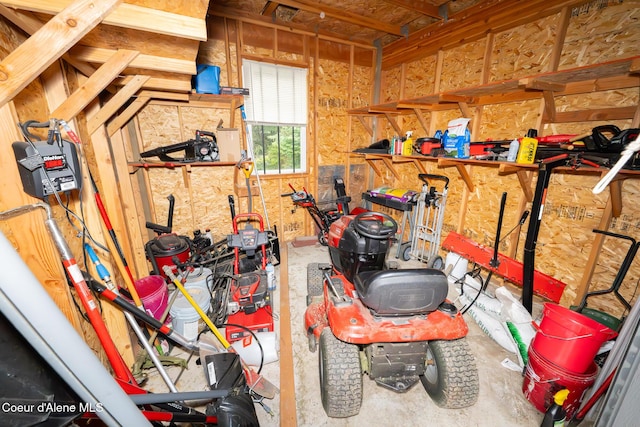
column 167, row 248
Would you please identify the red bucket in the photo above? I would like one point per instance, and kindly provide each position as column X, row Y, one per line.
column 569, row 339
column 542, row 379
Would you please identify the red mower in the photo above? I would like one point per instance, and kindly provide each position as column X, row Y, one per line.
column 396, row 325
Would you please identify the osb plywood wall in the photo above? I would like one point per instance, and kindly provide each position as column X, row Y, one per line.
column 572, row 210
column 591, row 24
column 200, row 192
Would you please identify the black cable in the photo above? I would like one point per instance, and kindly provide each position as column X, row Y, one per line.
column 254, row 337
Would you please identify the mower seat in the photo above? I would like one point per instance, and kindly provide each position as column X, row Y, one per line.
column 406, row 292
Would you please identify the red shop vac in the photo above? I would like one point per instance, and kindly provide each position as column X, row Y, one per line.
column 166, row 248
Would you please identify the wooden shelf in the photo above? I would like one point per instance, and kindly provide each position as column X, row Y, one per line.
column 618, row 74
column 504, row 168
column 133, row 166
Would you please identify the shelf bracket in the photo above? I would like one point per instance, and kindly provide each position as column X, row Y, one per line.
column 418, row 164
column 371, row 161
column 615, row 192
column 464, row 109
column 393, row 123
column 462, row 170
column 365, row 125
column 422, row 120
column 524, row 177
column 389, row 164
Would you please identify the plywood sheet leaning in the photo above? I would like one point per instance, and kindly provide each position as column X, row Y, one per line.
column 618, row 23
column 524, row 50
column 332, row 90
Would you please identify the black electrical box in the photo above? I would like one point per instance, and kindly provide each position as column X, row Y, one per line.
column 47, row 167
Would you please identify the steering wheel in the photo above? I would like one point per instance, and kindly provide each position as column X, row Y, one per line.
column 368, row 224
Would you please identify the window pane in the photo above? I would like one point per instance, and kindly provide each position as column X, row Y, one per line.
column 278, row 149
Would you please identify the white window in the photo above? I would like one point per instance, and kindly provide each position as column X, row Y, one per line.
column 276, row 112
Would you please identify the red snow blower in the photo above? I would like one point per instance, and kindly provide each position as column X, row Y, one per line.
column 250, row 305
column 394, row 324
column 323, row 218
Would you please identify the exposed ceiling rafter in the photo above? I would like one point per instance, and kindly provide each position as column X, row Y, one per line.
column 128, row 16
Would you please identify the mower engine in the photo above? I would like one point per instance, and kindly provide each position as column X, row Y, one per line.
column 359, row 243
column 249, row 293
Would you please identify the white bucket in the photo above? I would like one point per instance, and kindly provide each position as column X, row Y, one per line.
column 198, row 278
column 458, row 264
column 249, row 350
column 185, row 320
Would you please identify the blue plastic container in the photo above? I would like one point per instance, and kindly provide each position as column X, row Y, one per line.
column 208, row 79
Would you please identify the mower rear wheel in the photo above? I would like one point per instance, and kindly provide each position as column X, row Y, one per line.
column 340, row 376
column 451, row 374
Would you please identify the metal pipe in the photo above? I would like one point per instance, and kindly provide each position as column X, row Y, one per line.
column 55, row 339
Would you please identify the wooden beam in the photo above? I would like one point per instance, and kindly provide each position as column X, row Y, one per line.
column 41, row 258
column 131, row 16
column 365, row 125
column 343, row 15
column 420, row 6
column 469, row 25
column 94, row 85
column 288, row 416
column 536, row 84
column 47, row 44
column 549, row 106
column 149, row 62
column 422, row 119
column 29, row 24
column 393, row 123
column 158, row 83
column 269, row 8
column 165, row 95
column 114, row 104
column 244, row 16
column 596, row 248
column 602, row 114
column 126, row 115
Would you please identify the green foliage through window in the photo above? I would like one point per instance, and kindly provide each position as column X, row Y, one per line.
column 278, row 149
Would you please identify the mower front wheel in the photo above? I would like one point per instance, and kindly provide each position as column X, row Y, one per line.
column 451, row 374
column 340, row 376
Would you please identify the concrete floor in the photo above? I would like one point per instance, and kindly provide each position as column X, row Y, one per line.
column 500, row 402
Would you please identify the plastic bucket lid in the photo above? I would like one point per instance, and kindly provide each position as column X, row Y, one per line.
column 154, row 294
column 542, row 379
column 569, row 339
column 182, row 308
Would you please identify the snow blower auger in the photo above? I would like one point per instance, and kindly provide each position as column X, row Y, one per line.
column 395, row 325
